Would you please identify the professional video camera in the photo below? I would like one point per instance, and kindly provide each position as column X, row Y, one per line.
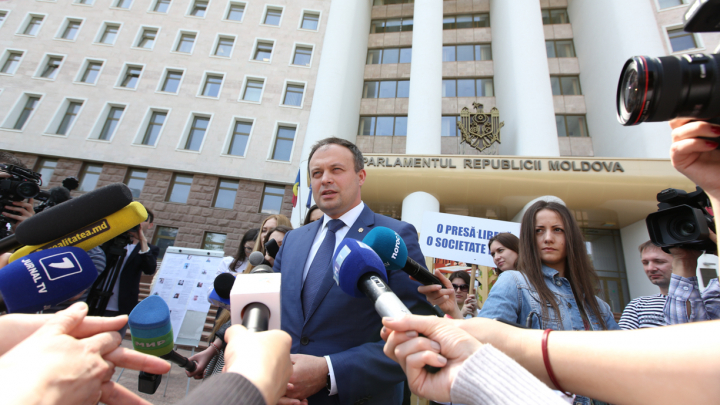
column 682, row 220
column 58, row 194
column 660, row 89
column 21, row 185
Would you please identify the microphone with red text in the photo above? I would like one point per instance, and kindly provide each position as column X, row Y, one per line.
column 359, row 271
column 258, row 296
column 394, row 254
column 43, row 279
column 220, row 294
column 152, row 334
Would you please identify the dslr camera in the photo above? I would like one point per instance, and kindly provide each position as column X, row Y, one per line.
column 682, row 220
column 660, row 89
column 22, row 184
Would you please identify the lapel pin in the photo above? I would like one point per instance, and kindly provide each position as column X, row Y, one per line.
column 360, row 230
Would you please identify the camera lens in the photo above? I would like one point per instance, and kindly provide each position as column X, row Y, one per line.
column 630, row 91
column 682, row 228
column 27, row 189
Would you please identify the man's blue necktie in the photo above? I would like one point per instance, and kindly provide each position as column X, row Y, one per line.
column 320, row 266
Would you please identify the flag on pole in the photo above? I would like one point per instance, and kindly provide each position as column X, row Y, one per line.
column 296, row 189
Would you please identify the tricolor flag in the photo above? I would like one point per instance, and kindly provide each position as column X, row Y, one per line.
column 296, row 189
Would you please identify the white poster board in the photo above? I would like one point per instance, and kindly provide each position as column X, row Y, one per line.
column 460, row 238
column 183, row 281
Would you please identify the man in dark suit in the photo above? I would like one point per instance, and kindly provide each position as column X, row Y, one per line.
column 336, row 347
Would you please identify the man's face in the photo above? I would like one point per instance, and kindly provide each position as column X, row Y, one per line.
column 335, row 184
column 657, row 265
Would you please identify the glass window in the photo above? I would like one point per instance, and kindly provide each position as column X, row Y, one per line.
column 448, row 53
column 46, row 168
column 550, row 49
column 310, row 21
column 155, row 124
column 481, row 20
column 465, row 53
column 253, row 90
column 448, row 88
column 147, row 39
column 370, row 90
column 449, row 126
column 212, row 86
column 71, row 30
column 570, row 85
column 161, row 6
column 132, row 75
column 3, row 16
column 302, row 56
column 272, row 199
column 123, row 4
column 294, row 94
column 391, row 55
column 681, row 40
column 69, row 117
column 273, row 16
column 199, row 8
column 88, row 2
column 172, row 81
column 466, row 21
column 374, row 57
column 186, row 43
column 483, row 52
column 556, row 16
column 466, row 88
column 407, row 24
column 671, row 3
column 240, row 137
column 109, row 34
column 111, row 122
column 377, row 26
column 26, row 112
column 235, row 12
column 33, row 25
column 565, row 49
column 384, row 126
column 197, row 133
column 400, row 126
column 51, row 67
column 284, row 143
column 571, row 125
column 460, row 53
column 263, row 52
column 367, row 126
column 560, row 122
column 214, row 241
column 11, row 63
column 387, row 89
column 485, row 88
column 89, row 177
column 403, row 89
column 135, row 180
column 393, row 25
column 463, row 21
column 224, row 46
column 91, row 72
column 555, row 85
column 405, row 55
column 225, row 194
column 164, row 238
column 180, row 188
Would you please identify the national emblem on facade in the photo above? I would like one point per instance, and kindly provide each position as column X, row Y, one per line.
column 480, row 130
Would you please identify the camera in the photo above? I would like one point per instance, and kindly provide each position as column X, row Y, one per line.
column 660, row 89
column 682, row 220
column 21, row 185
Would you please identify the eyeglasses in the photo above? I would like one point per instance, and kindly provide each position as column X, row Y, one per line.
column 462, row 287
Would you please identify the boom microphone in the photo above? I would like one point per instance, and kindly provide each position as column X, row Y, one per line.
column 393, row 252
column 44, row 279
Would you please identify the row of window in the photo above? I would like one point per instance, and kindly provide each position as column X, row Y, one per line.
column 451, row 53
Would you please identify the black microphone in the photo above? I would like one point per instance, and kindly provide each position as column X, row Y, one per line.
column 220, row 294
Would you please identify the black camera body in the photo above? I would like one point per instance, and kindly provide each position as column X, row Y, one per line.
column 21, row 185
column 682, row 220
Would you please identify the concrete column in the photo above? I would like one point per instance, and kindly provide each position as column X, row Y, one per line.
column 522, row 79
column 338, row 87
column 425, row 103
column 606, row 34
column 415, row 205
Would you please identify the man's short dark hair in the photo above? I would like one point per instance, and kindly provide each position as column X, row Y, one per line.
column 357, row 155
column 10, row 159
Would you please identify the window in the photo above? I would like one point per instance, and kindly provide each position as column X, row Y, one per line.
column 263, row 51
column 214, row 241
column 468, row 88
column 253, row 90
column 135, row 180
column 389, row 55
column 33, row 25
column 147, row 38
column 681, row 40
column 448, row 126
column 571, row 125
column 91, row 73
column 171, row 84
column 224, row 46
column 391, row 25
column 161, row 6
column 199, row 8
column 294, row 94
column 196, row 134
column 383, row 126
column 154, row 126
column 310, row 21
column 303, row 55
column 111, row 122
column 671, row 3
column 109, row 34
column 272, row 199
column 212, row 85
column 386, row 2
column 225, row 194
column 46, row 168
column 51, row 67
column 462, row 53
column 235, row 12
column 164, row 238
column 454, row 22
column 179, row 188
column 240, row 138
column 560, row 49
column 131, row 77
column 123, row 4
column 387, row 89
column 283, row 143
column 12, row 61
column 89, row 176
column 28, row 109
column 3, row 16
column 565, row 85
column 185, row 43
column 85, row 2
column 273, row 16
column 68, row 119
column 557, row 16
column 71, row 30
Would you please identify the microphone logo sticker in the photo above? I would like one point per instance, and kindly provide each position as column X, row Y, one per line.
column 60, row 265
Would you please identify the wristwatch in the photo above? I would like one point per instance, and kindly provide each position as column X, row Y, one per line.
column 328, row 384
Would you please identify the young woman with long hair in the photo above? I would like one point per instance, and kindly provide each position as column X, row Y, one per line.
column 272, row 221
column 238, row 262
column 504, row 251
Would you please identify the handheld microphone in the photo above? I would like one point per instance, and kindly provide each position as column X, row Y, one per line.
column 257, row 259
column 258, row 294
column 394, row 255
column 220, row 294
column 44, row 279
column 69, row 216
column 93, row 234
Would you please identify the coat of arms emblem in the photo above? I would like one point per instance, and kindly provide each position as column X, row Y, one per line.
column 480, row 130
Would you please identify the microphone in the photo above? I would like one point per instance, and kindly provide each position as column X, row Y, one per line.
column 257, row 259
column 259, row 297
column 220, row 294
column 394, row 255
column 69, row 216
column 44, row 279
column 94, row 234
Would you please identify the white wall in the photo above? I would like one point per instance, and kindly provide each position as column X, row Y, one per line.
column 632, row 237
